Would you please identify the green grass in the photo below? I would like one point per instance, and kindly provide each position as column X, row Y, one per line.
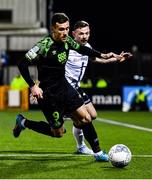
column 36, row 156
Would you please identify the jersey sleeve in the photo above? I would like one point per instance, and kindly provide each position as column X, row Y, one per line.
column 32, row 56
column 23, row 64
column 83, row 49
column 23, row 67
column 40, row 49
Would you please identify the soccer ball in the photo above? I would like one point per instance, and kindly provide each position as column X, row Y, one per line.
column 119, row 155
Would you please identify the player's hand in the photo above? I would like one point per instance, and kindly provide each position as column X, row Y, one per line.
column 37, row 91
column 124, row 56
column 33, row 99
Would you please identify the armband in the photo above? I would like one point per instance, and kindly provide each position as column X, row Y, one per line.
column 32, row 53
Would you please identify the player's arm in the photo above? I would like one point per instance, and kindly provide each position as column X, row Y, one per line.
column 115, row 58
column 83, row 49
column 87, row 50
column 94, row 53
column 23, row 66
column 111, row 55
column 105, row 61
column 108, row 55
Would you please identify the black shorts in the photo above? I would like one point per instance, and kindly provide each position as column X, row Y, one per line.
column 85, row 97
column 54, row 105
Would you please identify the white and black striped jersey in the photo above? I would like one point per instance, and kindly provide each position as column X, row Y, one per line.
column 75, row 67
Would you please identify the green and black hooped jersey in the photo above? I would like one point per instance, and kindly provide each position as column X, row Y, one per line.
column 50, row 57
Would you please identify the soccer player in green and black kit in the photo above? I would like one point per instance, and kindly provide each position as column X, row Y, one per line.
column 54, row 94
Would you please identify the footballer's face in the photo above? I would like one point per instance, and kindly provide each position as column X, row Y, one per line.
column 81, row 35
column 60, row 31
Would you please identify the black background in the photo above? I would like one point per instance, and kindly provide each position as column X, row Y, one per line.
column 115, row 25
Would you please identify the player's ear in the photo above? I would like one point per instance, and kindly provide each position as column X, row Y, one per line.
column 73, row 33
column 52, row 29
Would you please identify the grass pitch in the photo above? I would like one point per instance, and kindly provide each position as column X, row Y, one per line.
column 36, row 156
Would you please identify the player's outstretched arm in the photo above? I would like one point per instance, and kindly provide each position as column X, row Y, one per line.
column 114, row 58
column 105, row 61
column 108, row 55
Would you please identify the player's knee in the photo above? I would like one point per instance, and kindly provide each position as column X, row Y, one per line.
column 58, row 132
column 87, row 118
column 58, row 135
column 81, row 117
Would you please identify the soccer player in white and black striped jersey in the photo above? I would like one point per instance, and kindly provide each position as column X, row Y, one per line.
column 74, row 72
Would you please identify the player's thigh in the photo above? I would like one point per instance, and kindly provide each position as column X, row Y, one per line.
column 89, row 106
column 55, row 119
column 53, row 111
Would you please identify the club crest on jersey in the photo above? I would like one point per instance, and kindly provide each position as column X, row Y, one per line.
column 62, row 57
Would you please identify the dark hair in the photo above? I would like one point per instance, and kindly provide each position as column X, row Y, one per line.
column 80, row 24
column 60, row 18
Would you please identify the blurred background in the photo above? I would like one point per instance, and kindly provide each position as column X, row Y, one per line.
column 115, row 26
